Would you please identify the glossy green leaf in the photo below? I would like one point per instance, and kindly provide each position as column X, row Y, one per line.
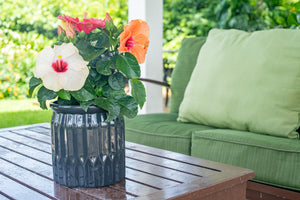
column 110, row 106
column 87, row 51
column 33, row 83
column 103, row 66
column 102, row 41
column 116, row 81
column 128, row 106
column 113, row 94
column 63, row 94
column 99, row 91
column 85, row 104
column 43, row 95
column 86, row 93
column 128, row 64
column 138, row 91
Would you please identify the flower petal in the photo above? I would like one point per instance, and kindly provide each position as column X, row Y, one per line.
column 141, row 40
column 51, row 82
column 76, row 62
column 43, row 62
column 138, row 27
column 73, row 80
column 65, row 50
column 140, row 53
column 125, row 35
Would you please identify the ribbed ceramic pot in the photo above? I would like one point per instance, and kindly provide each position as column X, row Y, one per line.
column 87, row 151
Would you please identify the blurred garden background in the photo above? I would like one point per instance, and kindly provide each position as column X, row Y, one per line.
column 27, row 26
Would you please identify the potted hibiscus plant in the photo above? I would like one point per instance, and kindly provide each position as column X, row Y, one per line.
column 91, row 64
column 85, row 73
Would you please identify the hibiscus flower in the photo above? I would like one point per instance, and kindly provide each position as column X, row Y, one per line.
column 135, row 39
column 68, row 25
column 61, row 67
column 87, row 25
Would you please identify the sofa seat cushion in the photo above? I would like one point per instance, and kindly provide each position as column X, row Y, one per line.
column 275, row 160
column 161, row 131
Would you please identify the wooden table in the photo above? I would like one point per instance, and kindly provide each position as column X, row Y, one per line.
column 26, row 173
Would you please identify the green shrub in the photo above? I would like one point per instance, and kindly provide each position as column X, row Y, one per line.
column 27, row 26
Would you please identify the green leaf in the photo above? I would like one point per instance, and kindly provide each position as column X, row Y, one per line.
column 110, row 106
column 86, row 93
column 116, row 81
column 103, row 66
column 87, row 51
column 33, row 83
column 63, row 94
column 72, row 101
column 138, row 91
column 113, row 94
column 99, row 91
column 102, row 41
column 128, row 106
column 128, row 64
column 85, row 104
column 119, row 31
column 102, row 81
column 292, row 19
column 43, row 95
column 109, row 25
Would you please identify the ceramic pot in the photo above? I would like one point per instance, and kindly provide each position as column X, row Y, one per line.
column 87, row 151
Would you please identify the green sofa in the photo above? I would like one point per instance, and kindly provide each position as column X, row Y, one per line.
column 275, row 160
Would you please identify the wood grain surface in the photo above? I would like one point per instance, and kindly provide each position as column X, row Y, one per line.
column 26, row 172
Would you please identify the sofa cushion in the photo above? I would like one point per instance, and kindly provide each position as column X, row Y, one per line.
column 161, row 131
column 185, row 63
column 246, row 81
column 275, row 160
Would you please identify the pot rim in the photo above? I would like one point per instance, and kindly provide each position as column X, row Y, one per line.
column 75, row 109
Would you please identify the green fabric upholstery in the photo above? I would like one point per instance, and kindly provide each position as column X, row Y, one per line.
column 162, row 131
column 246, row 81
column 275, row 160
column 185, row 63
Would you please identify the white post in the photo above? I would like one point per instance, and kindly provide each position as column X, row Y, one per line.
column 152, row 12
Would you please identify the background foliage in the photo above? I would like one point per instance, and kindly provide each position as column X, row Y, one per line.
column 197, row 17
column 27, row 26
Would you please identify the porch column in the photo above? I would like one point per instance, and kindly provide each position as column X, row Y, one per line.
column 152, row 12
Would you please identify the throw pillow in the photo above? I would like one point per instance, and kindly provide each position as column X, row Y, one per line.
column 246, row 81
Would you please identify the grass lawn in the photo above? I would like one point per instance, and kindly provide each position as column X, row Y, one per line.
column 22, row 112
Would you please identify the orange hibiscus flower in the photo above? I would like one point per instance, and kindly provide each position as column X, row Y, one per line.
column 135, row 39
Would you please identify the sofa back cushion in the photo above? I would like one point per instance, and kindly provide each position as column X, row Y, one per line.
column 186, row 61
column 246, row 81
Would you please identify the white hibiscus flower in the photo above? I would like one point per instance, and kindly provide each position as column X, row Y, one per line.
column 61, row 67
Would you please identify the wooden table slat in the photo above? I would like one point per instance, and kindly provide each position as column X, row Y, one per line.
column 27, row 141
column 133, row 188
column 169, row 163
column 181, row 157
column 25, row 177
column 106, row 193
column 160, row 171
column 34, row 135
column 18, row 191
column 4, row 197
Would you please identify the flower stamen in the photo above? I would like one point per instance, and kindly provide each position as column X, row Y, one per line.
column 59, row 65
column 130, row 43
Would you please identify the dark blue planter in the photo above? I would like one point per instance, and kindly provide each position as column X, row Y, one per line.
column 86, row 150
